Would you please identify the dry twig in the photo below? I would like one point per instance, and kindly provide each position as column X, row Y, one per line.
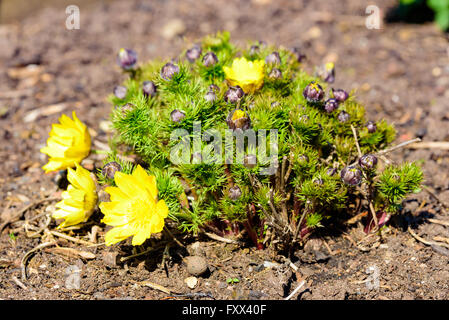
column 214, row 236
column 19, row 214
column 427, row 242
column 24, row 261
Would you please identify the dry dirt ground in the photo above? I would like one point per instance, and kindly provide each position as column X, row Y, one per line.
column 401, row 73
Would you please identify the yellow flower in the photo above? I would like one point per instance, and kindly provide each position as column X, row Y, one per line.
column 69, row 143
column 79, row 201
column 246, row 74
column 134, row 209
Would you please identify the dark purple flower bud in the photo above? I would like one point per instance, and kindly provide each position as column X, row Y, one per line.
column 275, row 104
column 177, row 115
column 127, row 108
column 233, row 94
column 368, row 161
column 351, row 175
column 275, row 74
column 126, row 58
column 120, row 92
column 250, row 161
column 110, row 169
column 273, row 58
column 193, row 53
column 262, row 43
column 149, row 88
column 340, row 94
column 313, row 92
column 238, row 119
column 254, row 49
column 210, row 96
column 169, row 70
column 318, row 181
column 214, row 87
column 343, row 116
column 210, row 59
column 331, row 171
column 297, row 53
column 330, row 105
column 234, row 193
column 372, row 127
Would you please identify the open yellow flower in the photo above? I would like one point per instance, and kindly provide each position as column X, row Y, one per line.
column 69, row 143
column 246, row 74
column 134, row 209
column 79, row 201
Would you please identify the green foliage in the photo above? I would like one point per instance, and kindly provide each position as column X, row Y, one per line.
column 396, row 182
column 302, row 193
column 440, row 7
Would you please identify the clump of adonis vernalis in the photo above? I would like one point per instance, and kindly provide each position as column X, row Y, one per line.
column 309, row 155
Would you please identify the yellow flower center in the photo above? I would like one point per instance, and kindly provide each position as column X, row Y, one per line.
column 238, row 114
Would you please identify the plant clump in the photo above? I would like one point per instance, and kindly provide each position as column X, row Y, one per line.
column 315, row 160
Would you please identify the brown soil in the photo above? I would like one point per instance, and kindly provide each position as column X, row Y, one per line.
column 401, row 73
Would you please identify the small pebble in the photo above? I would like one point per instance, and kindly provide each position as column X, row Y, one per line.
column 110, row 259
column 196, row 265
column 191, row 282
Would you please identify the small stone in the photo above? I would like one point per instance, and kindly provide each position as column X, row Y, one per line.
column 173, row 28
column 191, row 282
column 196, row 265
column 110, row 259
column 196, row 249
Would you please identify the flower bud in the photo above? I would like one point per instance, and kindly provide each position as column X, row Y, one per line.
column 234, row 193
column 304, row 118
column 233, row 94
column 297, row 53
column 273, row 58
column 327, row 72
column 343, row 116
column 250, row 161
column 214, row 87
column 331, row 171
column 368, row 161
column 149, row 89
column 169, row 70
column 303, row 158
column 351, row 175
column 318, row 181
column 330, row 105
column 275, row 74
column 210, row 96
column 313, row 92
column 110, row 169
column 120, row 92
column 177, row 115
column 127, row 58
column 193, row 53
column 372, row 127
column 262, row 43
column 127, row 108
column 340, row 95
column 254, row 49
column 275, row 104
column 210, row 59
column 238, row 119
